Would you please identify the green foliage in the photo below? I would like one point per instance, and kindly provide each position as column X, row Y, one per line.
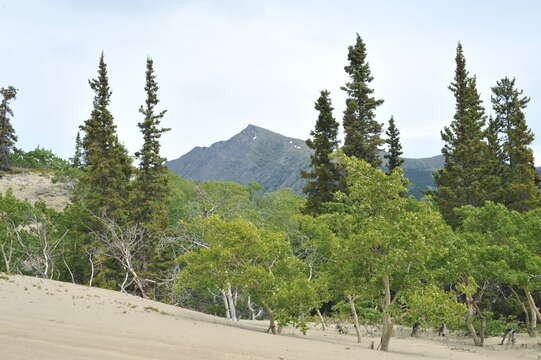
column 362, row 131
column 236, row 254
column 7, row 132
column 431, row 306
column 31, row 239
column 78, row 161
column 386, row 242
column 324, row 178
column 151, row 185
column 38, row 158
column 518, row 179
column 108, row 167
column 460, row 182
column 395, row 148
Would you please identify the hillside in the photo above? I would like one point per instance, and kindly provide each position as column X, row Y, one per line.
column 253, row 155
column 37, row 186
column 46, row 319
column 272, row 160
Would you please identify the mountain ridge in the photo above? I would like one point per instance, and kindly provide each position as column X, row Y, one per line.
column 273, row 160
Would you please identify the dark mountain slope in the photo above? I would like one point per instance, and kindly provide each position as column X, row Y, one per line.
column 274, row 161
column 255, row 154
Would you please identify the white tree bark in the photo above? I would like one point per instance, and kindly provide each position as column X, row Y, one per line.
column 387, row 332
column 231, row 303
column 351, row 300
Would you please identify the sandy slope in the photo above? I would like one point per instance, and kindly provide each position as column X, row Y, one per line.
column 43, row 319
column 34, row 186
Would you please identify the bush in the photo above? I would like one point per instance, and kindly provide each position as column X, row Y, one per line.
column 38, row 159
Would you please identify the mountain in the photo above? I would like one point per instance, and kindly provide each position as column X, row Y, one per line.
column 274, row 161
column 253, row 155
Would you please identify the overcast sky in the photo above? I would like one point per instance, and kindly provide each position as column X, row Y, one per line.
column 222, row 65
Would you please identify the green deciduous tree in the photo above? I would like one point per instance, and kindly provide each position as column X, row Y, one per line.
column 395, row 148
column 236, row 254
column 362, row 131
column 324, row 177
column 460, row 182
column 498, row 247
column 7, row 133
column 386, row 242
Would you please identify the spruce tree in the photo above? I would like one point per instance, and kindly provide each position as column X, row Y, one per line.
column 77, row 161
column 494, row 173
column 151, row 186
column 362, row 131
column 459, row 182
column 324, row 178
column 7, row 133
column 519, row 174
column 108, row 167
column 395, row 148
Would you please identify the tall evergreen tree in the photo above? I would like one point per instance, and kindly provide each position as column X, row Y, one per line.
column 459, row 182
column 362, row 131
column 7, row 133
column 395, row 148
column 519, row 175
column 77, row 161
column 108, row 167
column 494, row 173
column 324, row 178
column 151, row 186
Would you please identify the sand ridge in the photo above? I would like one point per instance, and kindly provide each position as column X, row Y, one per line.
column 37, row 186
column 45, row 319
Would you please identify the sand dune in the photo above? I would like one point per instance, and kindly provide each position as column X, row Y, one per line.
column 44, row 319
column 34, row 186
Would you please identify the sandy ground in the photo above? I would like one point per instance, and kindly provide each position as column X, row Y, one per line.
column 32, row 186
column 44, row 319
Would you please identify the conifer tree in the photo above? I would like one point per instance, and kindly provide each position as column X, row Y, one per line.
column 151, row 186
column 324, row 178
column 108, row 167
column 7, row 133
column 519, row 175
column 395, row 148
column 460, row 181
column 362, row 131
column 77, row 161
column 494, row 172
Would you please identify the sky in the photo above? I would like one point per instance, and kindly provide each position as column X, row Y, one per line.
column 222, row 65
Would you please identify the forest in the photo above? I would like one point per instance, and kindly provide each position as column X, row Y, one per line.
column 355, row 249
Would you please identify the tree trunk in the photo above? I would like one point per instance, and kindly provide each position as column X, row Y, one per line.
column 231, row 302
column 92, row 269
column 387, row 331
column 534, row 310
column 323, row 324
column 226, row 306
column 251, row 308
column 272, row 326
column 469, row 322
column 351, row 299
column 531, row 329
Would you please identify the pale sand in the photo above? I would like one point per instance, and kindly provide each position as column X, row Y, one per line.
column 33, row 186
column 44, row 319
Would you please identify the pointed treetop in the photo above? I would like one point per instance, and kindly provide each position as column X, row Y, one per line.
column 395, row 148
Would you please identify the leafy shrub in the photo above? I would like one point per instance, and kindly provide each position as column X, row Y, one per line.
column 38, row 159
